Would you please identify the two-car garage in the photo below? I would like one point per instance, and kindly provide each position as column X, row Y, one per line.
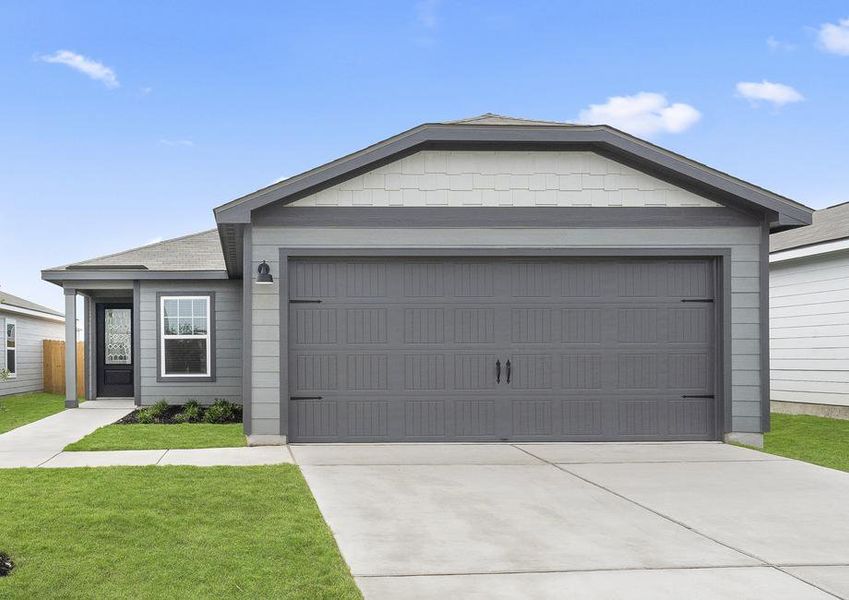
column 487, row 348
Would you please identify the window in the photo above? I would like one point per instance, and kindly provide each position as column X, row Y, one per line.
column 11, row 347
column 118, row 336
column 185, row 327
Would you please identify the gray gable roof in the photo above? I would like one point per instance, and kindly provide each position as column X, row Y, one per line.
column 8, row 299
column 828, row 224
column 499, row 132
column 193, row 252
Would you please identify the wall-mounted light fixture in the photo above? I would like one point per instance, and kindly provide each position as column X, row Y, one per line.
column 264, row 274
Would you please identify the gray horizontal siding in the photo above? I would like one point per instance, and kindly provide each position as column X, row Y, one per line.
column 31, row 332
column 743, row 241
column 809, row 330
column 228, row 344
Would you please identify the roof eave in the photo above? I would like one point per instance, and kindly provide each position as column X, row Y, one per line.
column 59, row 277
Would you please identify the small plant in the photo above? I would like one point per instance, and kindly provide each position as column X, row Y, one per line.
column 6, row 564
column 159, row 409
column 152, row 414
column 222, row 411
column 191, row 413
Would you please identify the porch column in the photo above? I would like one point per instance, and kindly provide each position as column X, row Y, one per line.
column 71, row 348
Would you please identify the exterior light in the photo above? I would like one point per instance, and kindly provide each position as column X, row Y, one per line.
column 263, row 274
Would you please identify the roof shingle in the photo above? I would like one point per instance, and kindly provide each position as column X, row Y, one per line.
column 828, row 224
column 18, row 302
column 193, row 252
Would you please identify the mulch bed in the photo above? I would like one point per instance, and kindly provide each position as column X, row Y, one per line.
column 166, row 419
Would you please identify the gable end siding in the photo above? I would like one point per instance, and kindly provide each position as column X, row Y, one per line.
column 504, row 178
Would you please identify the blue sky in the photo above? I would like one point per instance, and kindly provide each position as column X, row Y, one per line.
column 123, row 123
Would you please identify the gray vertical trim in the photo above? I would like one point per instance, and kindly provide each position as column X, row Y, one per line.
column 137, row 342
column 763, row 289
column 89, row 343
column 247, row 329
column 212, row 324
column 724, row 343
column 71, row 348
column 283, row 294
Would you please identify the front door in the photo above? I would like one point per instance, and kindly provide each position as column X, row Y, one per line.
column 115, row 350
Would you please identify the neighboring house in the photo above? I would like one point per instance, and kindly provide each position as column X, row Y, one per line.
column 485, row 279
column 24, row 325
column 809, row 316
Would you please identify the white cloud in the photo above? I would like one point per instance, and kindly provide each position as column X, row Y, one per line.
column 173, row 142
column 426, row 13
column 87, row 66
column 777, row 45
column 834, row 37
column 777, row 94
column 645, row 113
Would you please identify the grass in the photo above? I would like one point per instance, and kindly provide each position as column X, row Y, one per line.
column 816, row 440
column 26, row 408
column 161, row 437
column 167, row 532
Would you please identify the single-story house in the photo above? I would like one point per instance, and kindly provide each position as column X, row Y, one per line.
column 485, row 279
column 24, row 326
column 809, row 316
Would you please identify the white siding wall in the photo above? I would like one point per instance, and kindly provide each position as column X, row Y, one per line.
column 744, row 242
column 809, row 330
column 468, row 178
column 30, row 363
column 228, row 344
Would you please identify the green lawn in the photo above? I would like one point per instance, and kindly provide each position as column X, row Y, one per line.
column 26, row 408
column 156, row 437
column 813, row 439
column 167, row 532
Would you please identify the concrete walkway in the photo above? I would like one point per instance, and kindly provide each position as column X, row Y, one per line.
column 35, row 443
column 583, row 521
column 202, row 457
column 40, row 444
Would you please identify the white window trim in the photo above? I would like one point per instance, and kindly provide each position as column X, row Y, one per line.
column 163, row 337
column 12, row 374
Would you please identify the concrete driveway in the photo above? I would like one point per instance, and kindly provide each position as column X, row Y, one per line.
column 582, row 521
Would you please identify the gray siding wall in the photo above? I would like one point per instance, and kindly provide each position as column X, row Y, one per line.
column 228, row 344
column 809, row 330
column 743, row 241
column 30, row 334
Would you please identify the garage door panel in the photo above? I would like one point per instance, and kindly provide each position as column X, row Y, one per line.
column 406, row 349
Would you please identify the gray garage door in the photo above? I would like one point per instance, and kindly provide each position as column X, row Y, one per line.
column 501, row 349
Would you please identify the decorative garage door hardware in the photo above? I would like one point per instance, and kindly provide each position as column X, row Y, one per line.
column 697, row 300
column 304, row 301
column 509, row 368
column 419, row 349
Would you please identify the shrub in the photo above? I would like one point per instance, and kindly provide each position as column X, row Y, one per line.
column 159, row 409
column 6, row 564
column 191, row 413
column 152, row 414
column 222, row 411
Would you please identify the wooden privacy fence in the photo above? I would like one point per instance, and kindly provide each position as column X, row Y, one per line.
column 54, row 367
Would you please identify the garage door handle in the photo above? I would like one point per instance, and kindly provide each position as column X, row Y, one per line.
column 497, row 371
column 697, row 300
column 699, row 396
column 509, row 371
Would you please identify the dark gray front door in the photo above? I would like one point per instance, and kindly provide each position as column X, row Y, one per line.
column 501, row 349
column 115, row 350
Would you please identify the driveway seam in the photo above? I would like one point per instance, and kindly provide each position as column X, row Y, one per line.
column 677, row 522
column 552, row 571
